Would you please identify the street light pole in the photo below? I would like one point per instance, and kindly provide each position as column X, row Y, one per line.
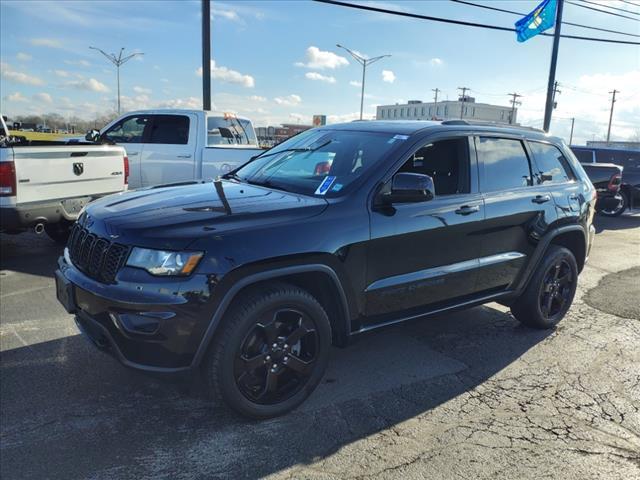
column 118, row 62
column 365, row 62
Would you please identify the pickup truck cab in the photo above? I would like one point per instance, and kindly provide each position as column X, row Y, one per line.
column 45, row 184
column 335, row 232
column 169, row 146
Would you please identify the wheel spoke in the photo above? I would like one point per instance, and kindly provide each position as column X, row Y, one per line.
column 250, row 364
column 271, row 384
column 298, row 365
column 547, row 304
column 297, row 335
column 565, row 279
column 556, row 273
column 269, row 330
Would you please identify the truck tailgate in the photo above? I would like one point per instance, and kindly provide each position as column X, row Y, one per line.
column 55, row 172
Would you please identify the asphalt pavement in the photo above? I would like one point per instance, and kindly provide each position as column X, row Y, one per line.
column 467, row 395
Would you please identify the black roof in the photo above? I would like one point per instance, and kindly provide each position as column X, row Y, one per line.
column 409, row 127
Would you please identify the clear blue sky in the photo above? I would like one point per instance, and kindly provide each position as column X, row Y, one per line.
column 276, row 61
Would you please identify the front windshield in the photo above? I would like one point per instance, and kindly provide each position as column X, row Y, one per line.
column 230, row 130
column 319, row 162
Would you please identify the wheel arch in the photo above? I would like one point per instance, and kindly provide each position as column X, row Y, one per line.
column 319, row 280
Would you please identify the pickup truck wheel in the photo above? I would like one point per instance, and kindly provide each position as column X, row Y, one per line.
column 620, row 208
column 550, row 291
column 271, row 352
column 59, row 232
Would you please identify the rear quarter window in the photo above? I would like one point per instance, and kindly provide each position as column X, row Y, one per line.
column 551, row 166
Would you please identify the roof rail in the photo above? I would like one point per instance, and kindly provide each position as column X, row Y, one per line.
column 489, row 124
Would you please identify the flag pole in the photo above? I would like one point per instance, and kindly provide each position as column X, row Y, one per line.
column 548, row 109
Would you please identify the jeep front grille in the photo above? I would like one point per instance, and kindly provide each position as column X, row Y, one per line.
column 96, row 257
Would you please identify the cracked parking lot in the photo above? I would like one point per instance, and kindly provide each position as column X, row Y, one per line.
column 466, row 395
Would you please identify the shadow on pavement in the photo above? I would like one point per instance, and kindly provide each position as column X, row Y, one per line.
column 29, row 253
column 625, row 221
column 69, row 411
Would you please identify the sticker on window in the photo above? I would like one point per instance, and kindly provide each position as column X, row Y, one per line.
column 398, row 137
column 337, row 187
column 325, row 185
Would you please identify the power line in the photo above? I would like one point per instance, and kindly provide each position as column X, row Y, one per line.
column 601, row 11
column 461, row 22
column 631, row 3
column 612, row 8
column 464, row 2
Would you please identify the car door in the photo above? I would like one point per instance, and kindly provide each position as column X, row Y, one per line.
column 426, row 253
column 169, row 154
column 518, row 212
column 552, row 170
column 131, row 133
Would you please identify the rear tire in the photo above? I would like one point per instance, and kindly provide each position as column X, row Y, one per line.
column 270, row 353
column 550, row 291
column 624, row 204
column 58, row 232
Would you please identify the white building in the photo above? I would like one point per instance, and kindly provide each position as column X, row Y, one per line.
column 447, row 110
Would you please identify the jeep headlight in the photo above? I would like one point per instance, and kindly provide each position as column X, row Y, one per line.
column 165, row 263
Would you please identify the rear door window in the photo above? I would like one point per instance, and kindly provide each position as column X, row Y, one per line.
column 505, row 163
column 550, row 164
column 170, row 130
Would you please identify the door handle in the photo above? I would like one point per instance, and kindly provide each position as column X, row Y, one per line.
column 541, row 199
column 184, row 156
column 467, row 209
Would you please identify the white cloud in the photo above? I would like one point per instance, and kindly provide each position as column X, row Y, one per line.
column 46, row 42
column 23, row 57
column 8, row 73
column 164, row 80
column 227, row 75
column 299, row 118
column 142, row 90
column 91, row 84
column 61, row 73
column 319, row 77
column 81, row 63
column 321, row 59
column 225, row 13
column 355, row 83
column 257, row 98
column 15, row 97
column 43, row 98
column 388, row 76
column 348, row 117
column 189, row 103
column 289, row 100
column 436, row 62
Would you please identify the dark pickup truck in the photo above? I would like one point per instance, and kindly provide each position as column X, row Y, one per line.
column 628, row 159
column 607, row 178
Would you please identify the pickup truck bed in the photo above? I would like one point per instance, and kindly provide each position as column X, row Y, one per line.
column 606, row 177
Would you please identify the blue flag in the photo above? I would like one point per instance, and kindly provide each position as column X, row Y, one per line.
column 541, row 19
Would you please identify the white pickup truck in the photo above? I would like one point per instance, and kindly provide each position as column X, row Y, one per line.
column 44, row 185
column 169, row 146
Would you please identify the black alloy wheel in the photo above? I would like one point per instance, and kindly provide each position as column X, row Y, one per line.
column 619, row 209
column 270, row 352
column 550, row 290
column 556, row 288
column 277, row 356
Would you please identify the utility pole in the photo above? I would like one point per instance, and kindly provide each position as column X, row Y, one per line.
column 613, row 100
column 555, row 91
column 548, row 108
column 571, row 134
column 365, row 62
column 118, row 62
column 435, row 103
column 206, row 54
column 514, row 102
column 464, row 96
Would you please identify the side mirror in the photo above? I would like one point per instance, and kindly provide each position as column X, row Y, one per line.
column 92, row 136
column 410, row 188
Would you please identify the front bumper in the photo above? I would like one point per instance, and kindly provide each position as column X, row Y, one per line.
column 146, row 323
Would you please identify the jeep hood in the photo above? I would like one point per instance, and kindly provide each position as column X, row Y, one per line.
column 173, row 216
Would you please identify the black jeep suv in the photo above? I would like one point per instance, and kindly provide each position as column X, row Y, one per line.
column 337, row 231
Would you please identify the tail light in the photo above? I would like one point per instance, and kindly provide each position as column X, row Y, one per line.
column 614, row 183
column 126, row 170
column 7, row 179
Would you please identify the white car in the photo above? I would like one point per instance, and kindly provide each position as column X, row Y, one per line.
column 170, row 146
column 44, row 185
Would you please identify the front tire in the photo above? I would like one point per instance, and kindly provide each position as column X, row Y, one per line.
column 270, row 353
column 550, row 291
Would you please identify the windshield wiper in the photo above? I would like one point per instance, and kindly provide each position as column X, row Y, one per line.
column 268, row 184
column 231, row 176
